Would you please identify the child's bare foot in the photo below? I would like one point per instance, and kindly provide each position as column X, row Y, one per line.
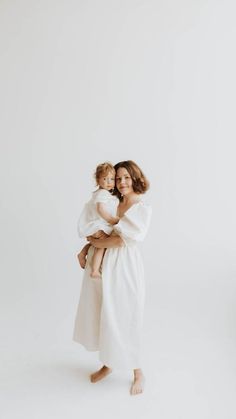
column 138, row 383
column 100, row 374
column 82, row 259
column 95, row 274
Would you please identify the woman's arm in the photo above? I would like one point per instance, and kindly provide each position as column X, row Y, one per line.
column 111, row 241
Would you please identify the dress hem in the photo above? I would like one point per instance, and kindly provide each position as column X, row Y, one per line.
column 88, row 348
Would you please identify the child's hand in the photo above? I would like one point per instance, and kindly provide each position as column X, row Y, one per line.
column 114, row 220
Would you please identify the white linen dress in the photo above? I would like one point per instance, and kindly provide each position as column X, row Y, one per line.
column 110, row 311
column 90, row 221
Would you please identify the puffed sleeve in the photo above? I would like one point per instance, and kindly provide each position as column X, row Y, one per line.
column 102, row 196
column 134, row 224
column 90, row 221
column 85, row 226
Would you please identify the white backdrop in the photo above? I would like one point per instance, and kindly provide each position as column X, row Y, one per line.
column 87, row 81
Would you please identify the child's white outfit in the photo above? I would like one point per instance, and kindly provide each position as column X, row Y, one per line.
column 90, row 221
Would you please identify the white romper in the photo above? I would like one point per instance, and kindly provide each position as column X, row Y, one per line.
column 90, row 221
column 110, row 311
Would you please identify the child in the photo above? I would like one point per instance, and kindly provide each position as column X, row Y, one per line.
column 98, row 216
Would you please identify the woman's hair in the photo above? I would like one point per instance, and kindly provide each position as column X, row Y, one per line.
column 102, row 170
column 139, row 181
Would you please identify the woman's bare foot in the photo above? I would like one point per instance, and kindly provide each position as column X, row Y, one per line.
column 95, row 274
column 82, row 259
column 138, row 383
column 100, row 374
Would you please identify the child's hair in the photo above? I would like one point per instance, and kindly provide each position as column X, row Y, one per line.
column 139, row 181
column 102, row 170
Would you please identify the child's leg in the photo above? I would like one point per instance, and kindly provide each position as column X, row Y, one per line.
column 96, row 263
column 82, row 255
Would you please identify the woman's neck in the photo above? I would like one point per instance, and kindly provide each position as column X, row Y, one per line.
column 126, row 203
column 131, row 198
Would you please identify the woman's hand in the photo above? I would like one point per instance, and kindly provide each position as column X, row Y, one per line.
column 108, row 242
column 100, row 234
column 96, row 242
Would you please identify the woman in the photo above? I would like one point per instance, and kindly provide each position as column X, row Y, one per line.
column 110, row 312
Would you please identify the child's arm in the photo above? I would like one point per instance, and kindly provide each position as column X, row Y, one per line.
column 105, row 215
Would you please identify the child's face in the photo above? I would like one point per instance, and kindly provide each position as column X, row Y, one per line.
column 107, row 182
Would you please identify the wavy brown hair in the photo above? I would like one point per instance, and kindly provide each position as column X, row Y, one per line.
column 139, row 181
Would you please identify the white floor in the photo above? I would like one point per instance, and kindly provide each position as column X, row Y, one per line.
column 189, row 363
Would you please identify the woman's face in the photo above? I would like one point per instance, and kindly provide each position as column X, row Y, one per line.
column 124, row 182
